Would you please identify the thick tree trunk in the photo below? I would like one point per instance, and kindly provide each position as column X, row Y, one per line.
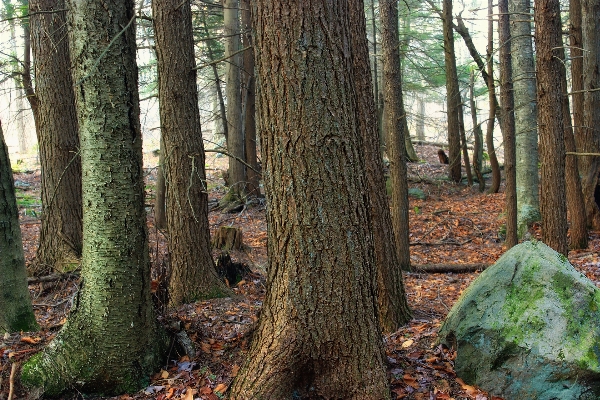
column 526, row 136
column 53, row 105
column 318, row 333
column 553, row 205
column 16, row 312
column 489, row 134
column 192, row 275
column 110, row 343
column 452, row 95
column 590, row 135
column 508, row 124
column 393, row 308
column 235, row 135
column 253, row 185
column 394, row 127
column 576, row 56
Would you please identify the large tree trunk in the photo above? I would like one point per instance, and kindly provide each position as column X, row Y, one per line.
column 393, row 308
column 53, row 105
column 452, row 95
column 590, row 135
column 576, row 56
column 16, row 312
column 235, row 134
column 253, row 185
column 192, row 275
column 526, row 136
column 508, row 123
column 553, row 205
column 110, row 343
column 489, row 134
column 318, row 333
column 394, row 127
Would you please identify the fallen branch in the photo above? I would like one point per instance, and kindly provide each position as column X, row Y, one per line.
column 436, row 268
column 52, row 278
column 11, row 381
column 441, row 243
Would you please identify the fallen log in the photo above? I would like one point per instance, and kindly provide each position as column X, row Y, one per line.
column 456, row 268
column 52, row 278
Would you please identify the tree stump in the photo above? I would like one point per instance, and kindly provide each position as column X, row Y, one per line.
column 228, row 238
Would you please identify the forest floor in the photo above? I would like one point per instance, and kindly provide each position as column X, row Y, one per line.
column 452, row 224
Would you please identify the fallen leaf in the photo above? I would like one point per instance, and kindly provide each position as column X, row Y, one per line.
column 205, row 347
column 234, row 370
column 164, row 374
column 410, row 381
column 189, row 394
column 467, row 388
column 205, row 390
column 407, row 343
column 30, row 340
column 221, row 388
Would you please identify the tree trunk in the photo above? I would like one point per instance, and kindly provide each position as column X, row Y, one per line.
column 463, row 140
column 394, row 127
column 253, row 185
column 590, row 135
column 576, row 56
column 393, row 308
column 318, row 333
column 16, row 312
column 192, row 275
column 550, row 124
column 452, row 95
column 526, row 136
column 53, row 105
column 508, row 123
column 235, row 136
column 489, row 134
column 421, row 119
column 111, row 342
column 478, row 136
column 160, row 202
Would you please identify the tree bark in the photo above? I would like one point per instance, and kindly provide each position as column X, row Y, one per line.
column 16, row 312
column 508, row 123
column 526, row 135
column 550, row 125
column 463, row 140
column 160, row 202
column 576, row 53
column 452, row 95
column 55, row 117
column 393, row 307
column 478, row 136
column 318, row 333
column 111, row 342
column 489, row 134
column 192, row 275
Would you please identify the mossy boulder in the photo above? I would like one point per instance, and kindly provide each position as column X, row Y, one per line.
column 528, row 328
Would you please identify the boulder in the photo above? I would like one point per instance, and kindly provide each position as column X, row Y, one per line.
column 528, row 328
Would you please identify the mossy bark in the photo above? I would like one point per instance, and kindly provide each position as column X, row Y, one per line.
column 16, row 312
column 111, row 341
column 318, row 334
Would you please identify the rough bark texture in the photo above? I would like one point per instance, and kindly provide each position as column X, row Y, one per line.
column 16, row 312
column 160, row 203
column 576, row 56
column 58, row 138
column 508, row 124
column 394, row 127
column 489, row 134
column 452, row 94
column 110, row 343
column 318, row 335
column 251, row 144
column 192, row 274
column 235, row 133
column 478, row 137
column 590, row 135
column 393, row 308
column 526, row 136
column 553, row 205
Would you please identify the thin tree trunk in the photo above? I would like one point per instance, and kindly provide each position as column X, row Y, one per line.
column 477, row 135
column 393, row 307
column 421, row 119
column 160, row 203
column 16, row 312
column 55, row 117
column 193, row 275
column 550, row 125
column 463, row 142
column 508, row 122
column 489, row 135
column 318, row 334
column 394, row 127
column 111, row 341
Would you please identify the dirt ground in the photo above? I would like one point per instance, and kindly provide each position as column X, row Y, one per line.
column 453, row 224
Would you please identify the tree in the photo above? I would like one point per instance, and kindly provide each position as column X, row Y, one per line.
column 508, row 123
column 576, row 51
column 394, row 127
column 525, row 114
column 489, row 134
column 452, row 94
column 478, row 136
column 550, row 124
column 111, row 341
column 192, row 275
column 53, row 106
column 393, row 308
column 16, row 312
column 235, row 134
column 318, row 333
